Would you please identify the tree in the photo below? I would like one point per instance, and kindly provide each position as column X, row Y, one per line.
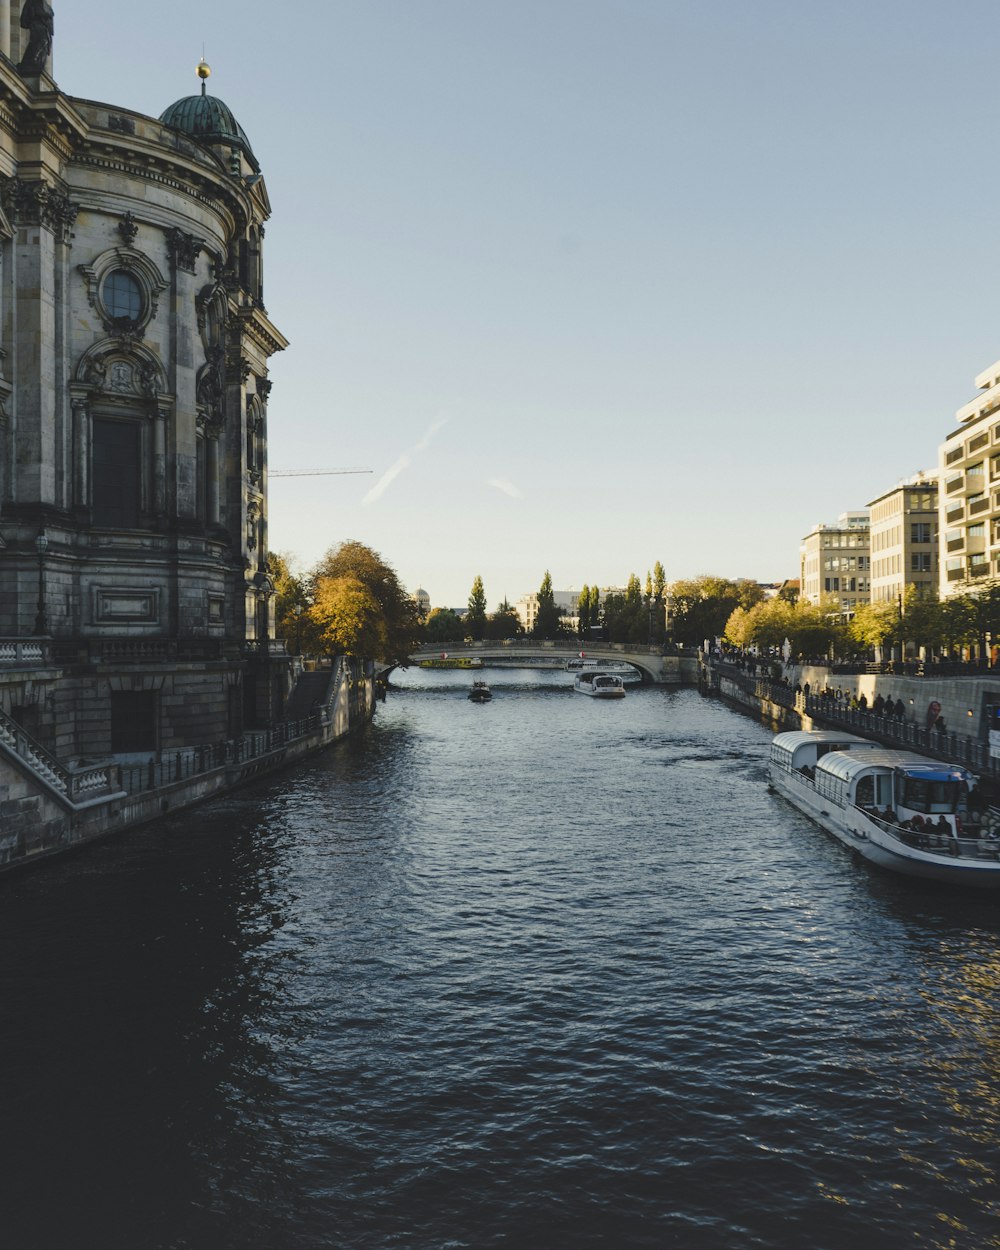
column 583, row 611
column 659, row 582
column 504, row 623
column 443, row 625
column 400, row 623
column 874, row 624
column 291, row 602
column 978, row 611
column 547, row 619
column 703, row 605
column 923, row 619
column 475, row 618
column 348, row 618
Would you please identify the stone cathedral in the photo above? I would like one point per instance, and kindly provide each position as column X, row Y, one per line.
column 136, row 612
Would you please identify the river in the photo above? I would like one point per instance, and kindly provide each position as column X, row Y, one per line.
column 545, row 973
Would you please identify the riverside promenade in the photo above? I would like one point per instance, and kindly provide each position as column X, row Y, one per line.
column 810, row 696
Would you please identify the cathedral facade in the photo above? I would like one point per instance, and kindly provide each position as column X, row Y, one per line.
column 136, row 611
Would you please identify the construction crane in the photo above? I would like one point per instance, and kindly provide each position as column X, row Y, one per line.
column 313, row 472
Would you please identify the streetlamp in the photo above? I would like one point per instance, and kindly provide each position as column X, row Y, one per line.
column 41, row 545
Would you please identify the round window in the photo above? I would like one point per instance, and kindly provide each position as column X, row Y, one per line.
column 122, row 296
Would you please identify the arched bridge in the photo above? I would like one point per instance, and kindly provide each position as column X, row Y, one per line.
column 671, row 669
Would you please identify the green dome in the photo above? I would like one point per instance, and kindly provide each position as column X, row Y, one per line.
column 207, row 119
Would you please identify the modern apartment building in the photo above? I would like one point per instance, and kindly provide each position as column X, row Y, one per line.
column 835, row 563
column 904, row 539
column 969, row 495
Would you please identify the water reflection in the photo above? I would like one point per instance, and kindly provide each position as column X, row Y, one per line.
column 542, row 973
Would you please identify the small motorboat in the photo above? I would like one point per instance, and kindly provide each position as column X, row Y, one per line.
column 480, row 692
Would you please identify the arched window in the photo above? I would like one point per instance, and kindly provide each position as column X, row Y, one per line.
column 122, row 296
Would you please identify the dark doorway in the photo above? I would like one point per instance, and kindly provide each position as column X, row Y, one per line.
column 133, row 721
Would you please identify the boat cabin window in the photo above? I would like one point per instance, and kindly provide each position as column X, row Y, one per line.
column 920, row 794
column 874, row 790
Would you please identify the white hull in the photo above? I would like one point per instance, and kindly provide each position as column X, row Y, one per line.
column 978, row 865
column 600, row 686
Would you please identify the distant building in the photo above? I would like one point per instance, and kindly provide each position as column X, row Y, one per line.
column 969, row 494
column 565, row 600
column 904, row 539
column 423, row 601
column 835, row 563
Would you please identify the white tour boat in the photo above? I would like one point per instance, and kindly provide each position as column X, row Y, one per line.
column 899, row 810
column 600, row 685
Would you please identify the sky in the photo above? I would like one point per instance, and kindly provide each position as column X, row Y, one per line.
column 588, row 284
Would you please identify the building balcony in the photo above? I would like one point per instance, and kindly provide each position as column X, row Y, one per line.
column 954, row 512
column 981, row 406
column 978, row 506
column 955, row 544
column 953, row 484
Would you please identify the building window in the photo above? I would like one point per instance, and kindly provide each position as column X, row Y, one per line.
column 920, row 532
column 920, row 562
column 116, row 474
column 122, row 296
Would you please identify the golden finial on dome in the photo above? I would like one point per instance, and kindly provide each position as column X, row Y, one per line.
column 203, row 70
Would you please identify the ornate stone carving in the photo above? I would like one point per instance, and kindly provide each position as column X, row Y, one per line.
column 122, row 378
column 39, row 204
column 123, row 125
column 96, row 373
column 128, row 228
column 148, row 378
column 210, row 388
column 264, row 387
column 184, row 249
column 253, row 516
column 238, row 367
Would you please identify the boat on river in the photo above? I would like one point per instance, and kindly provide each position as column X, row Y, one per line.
column 899, row 810
column 480, row 692
column 451, row 661
column 600, row 685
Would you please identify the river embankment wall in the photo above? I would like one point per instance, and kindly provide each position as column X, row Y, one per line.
column 808, row 696
column 41, row 816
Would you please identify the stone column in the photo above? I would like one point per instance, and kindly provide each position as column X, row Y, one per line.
column 160, row 464
column 81, row 452
column 5, row 27
column 212, row 478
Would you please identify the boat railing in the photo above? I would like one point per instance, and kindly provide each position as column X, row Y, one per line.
column 982, row 847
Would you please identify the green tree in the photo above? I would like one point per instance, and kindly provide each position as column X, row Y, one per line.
column 978, row 612
column 504, row 623
column 659, row 582
column 703, row 605
column 400, row 623
column 291, row 603
column 875, row 624
column 583, row 611
column 548, row 623
column 475, row 618
column 924, row 622
column 443, row 625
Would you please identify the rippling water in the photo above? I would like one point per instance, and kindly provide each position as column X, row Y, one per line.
column 543, row 973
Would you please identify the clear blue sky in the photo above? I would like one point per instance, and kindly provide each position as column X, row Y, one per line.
column 591, row 284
